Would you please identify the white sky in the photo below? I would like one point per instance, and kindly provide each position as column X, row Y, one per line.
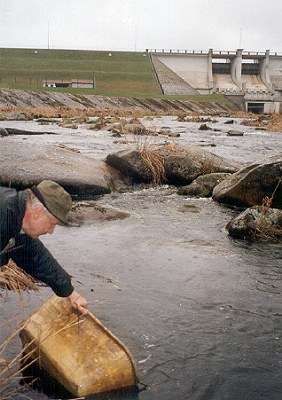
column 254, row 25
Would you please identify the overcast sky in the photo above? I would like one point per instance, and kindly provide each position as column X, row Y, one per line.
column 254, row 25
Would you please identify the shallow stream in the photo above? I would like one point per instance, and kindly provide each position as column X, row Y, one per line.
column 201, row 313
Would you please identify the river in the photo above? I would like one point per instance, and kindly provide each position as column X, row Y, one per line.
column 201, row 312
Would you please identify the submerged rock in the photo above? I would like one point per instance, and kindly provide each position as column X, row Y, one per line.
column 234, row 133
column 203, row 185
column 14, row 131
column 204, row 127
column 168, row 132
column 135, row 129
column 89, row 212
column 3, row 132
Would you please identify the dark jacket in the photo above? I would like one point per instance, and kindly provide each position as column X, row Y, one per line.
column 29, row 254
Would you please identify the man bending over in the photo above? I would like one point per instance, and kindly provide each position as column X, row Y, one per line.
column 24, row 216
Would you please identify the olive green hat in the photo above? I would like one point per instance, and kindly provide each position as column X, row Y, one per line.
column 57, row 201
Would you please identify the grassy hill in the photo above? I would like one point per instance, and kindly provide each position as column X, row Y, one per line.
column 128, row 74
column 122, row 73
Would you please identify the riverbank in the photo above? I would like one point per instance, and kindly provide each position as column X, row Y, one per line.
column 21, row 105
column 46, row 102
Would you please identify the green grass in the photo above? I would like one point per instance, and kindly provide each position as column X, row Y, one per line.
column 126, row 74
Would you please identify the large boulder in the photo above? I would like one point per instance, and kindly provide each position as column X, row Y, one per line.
column 181, row 165
column 184, row 164
column 256, row 223
column 252, row 184
column 23, row 164
column 132, row 164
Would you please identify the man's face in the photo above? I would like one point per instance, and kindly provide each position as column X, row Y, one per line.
column 39, row 223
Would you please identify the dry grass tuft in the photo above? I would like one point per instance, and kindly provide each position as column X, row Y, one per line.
column 156, row 165
column 270, row 122
column 148, row 150
column 14, row 278
column 65, row 112
column 261, row 230
column 275, row 123
column 172, row 147
column 10, row 371
column 207, row 167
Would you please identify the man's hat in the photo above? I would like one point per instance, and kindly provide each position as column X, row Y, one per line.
column 57, row 201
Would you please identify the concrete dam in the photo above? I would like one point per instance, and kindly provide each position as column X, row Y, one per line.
column 252, row 80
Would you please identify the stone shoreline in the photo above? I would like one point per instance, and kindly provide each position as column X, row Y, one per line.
column 23, row 99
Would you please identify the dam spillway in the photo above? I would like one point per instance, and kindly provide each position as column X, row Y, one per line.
column 253, row 79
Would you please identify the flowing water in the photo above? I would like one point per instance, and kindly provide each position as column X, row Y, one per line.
column 201, row 313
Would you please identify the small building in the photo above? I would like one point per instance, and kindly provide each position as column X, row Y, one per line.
column 73, row 83
column 56, row 83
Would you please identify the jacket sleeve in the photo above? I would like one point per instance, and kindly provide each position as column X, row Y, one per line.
column 34, row 258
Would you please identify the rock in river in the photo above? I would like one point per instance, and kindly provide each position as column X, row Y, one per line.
column 203, row 185
column 181, row 164
column 256, row 222
column 250, row 185
column 22, row 163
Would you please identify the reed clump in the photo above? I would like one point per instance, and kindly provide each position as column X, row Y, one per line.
column 14, row 278
column 149, row 153
column 262, row 229
column 10, row 371
column 66, row 112
column 269, row 122
column 156, row 164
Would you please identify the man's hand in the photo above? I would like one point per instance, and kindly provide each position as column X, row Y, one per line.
column 78, row 302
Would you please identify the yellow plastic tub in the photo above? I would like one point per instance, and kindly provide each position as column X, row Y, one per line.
column 79, row 352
